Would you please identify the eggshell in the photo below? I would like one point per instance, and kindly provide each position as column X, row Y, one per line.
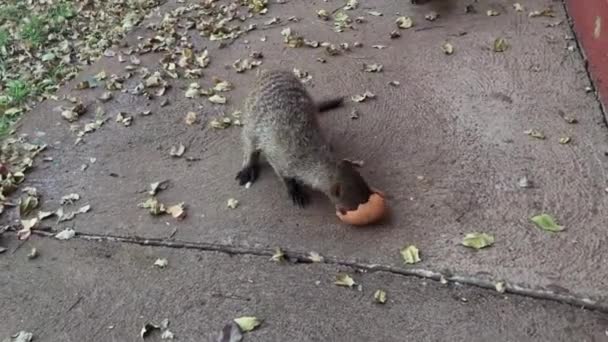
column 366, row 213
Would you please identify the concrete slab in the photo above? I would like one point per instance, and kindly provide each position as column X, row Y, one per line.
column 83, row 291
column 448, row 146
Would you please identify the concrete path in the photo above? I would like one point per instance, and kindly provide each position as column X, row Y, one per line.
column 447, row 146
column 101, row 291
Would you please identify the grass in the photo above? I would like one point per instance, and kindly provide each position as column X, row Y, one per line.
column 32, row 30
column 5, row 39
column 17, row 91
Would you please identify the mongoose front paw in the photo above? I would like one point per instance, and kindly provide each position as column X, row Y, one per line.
column 296, row 192
column 247, row 175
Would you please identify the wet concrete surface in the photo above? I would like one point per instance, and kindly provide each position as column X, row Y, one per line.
column 447, row 146
column 84, row 291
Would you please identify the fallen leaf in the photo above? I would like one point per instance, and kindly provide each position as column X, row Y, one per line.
column 65, row 234
column 518, row 7
column 351, row 4
column 192, row 91
column 203, row 59
column 21, row 336
column 232, row 203
column 124, row 119
column 492, row 13
column 500, row 286
column 158, row 186
column 360, row 98
column 431, row 16
column 241, row 65
column 217, row 99
column 69, row 115
column 547, row 12
column 70, row 198
column 161, row 262
column 447, row 48
column 84, row 209
column 315, row 257
column 323, row 14
column 222, row 86
column 154, row 206
column 547, row 223
column 380, row 296
column 247, row 323
column 177, row 151
column 27, row 204
column 222, row 123
column 564, row 140
column 523, row 182
column 178, row 211
column 191, row 118
column 278, row 255
column 167, row 335
column 341, row 21
column 535, row 134
column 372, row 67
column 44, row 214
column 410, row 255
column 404, row 22
column 478, row 240
column 344, row 279
column 500, row 45
column 27, row 226
column 291, row 38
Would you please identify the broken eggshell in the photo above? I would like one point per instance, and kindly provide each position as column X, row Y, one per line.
column 371, row 211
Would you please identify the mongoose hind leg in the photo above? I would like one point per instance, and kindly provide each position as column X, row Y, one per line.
column 296, row 192
column 250, row 171
column 251, row 159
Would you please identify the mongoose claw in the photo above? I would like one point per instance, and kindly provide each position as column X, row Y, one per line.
column 248, row 174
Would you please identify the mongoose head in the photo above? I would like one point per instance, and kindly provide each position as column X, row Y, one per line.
column 348, row 189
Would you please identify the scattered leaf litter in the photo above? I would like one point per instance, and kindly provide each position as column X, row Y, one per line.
column 380, row 296
column 547, row 223
column 410, row 255
column 232, row 203
column 247, row 323
column 344, row 279
column 478, row 240
column 161, row 262
column 65, row 234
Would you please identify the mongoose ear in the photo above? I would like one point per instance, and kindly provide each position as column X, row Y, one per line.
column 336, row 190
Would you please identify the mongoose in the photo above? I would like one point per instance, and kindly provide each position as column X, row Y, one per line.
column 280, row 122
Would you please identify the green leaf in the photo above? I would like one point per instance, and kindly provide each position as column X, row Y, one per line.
column 478, row 240
column 380, row 297
column 500, row 45
column 344, row 280
column 410, row 254
column 278, row 255
column 247, row 323
column 546, row 222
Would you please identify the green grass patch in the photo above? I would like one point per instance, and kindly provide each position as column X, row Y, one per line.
column 5, row 38
column 17, row 91
column 32, row 30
